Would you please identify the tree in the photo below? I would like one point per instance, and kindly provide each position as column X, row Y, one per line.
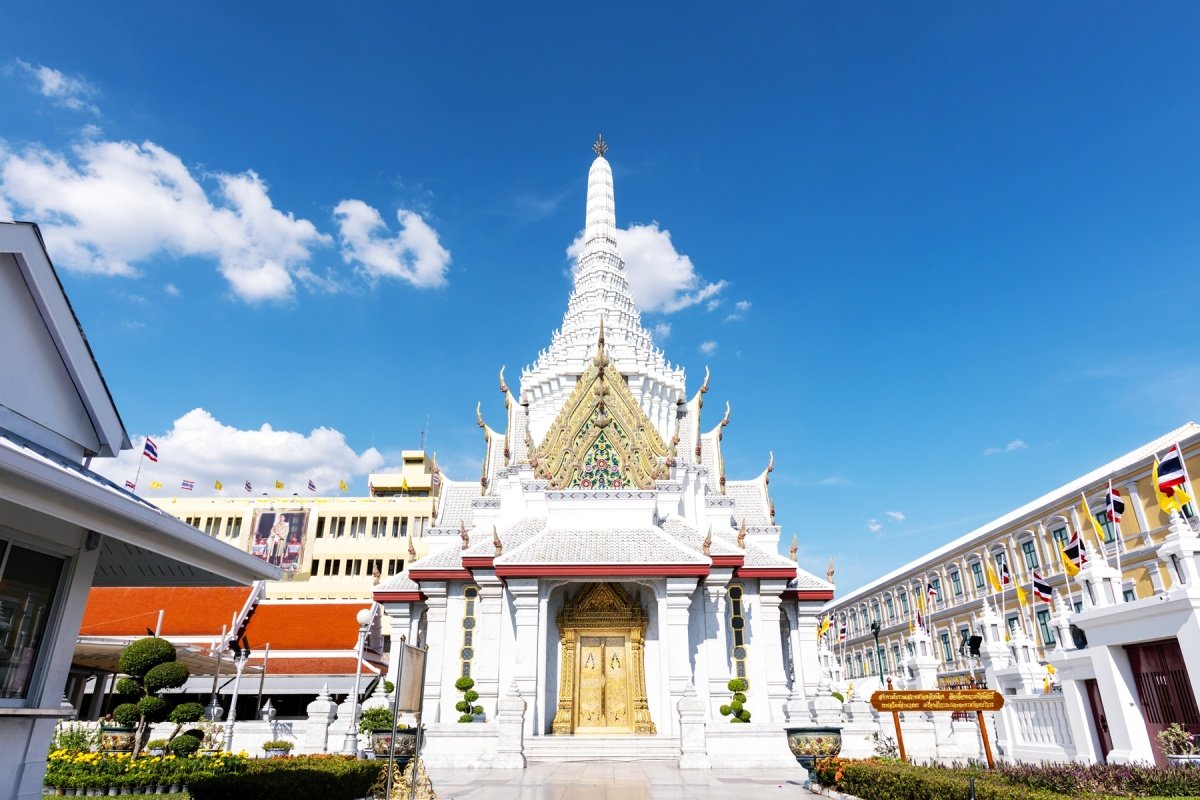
column 150, row 667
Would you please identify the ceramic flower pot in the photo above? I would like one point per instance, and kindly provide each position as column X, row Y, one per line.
column 403, row 747
column 810, row 743
column 116, row 739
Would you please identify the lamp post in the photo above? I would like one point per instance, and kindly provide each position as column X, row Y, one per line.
column 239, row 662
column 364, row 617
column 878, row 658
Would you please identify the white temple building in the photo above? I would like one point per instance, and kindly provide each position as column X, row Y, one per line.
column 604, row 580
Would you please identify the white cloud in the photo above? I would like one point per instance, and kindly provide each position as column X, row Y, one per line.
column 198, row 447
column 713, row 304
column 661, row 331
column 739, row 310
column 413, row 255
column 116, row 204
column 61, row 89
column 874, row 525
column 660, row 278
column 171, row 289
column 835, row 480
column 1015, row 444
column 708, row 348
column 897, row 516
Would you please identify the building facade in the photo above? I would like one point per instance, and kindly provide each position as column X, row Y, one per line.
column 605, row 575
column 948, row 587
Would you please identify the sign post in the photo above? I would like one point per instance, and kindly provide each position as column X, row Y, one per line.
column 408, row 696
column 977, row 700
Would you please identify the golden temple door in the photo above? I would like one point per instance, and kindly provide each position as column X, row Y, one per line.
column 602, row 684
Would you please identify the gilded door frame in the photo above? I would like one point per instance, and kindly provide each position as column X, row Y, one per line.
column 596, row 609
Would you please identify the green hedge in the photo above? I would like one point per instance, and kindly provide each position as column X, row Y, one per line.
column 894, row 780
column 299, row 778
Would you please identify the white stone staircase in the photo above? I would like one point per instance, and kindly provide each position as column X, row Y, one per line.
column 601, row 748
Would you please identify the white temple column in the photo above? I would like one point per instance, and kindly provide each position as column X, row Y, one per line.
column 525, row 671
column 805, row 655
column 770, row 645
column 438, row 661
column 400, row 616
column 676, row 647
column 485, row 667
column 716, row 639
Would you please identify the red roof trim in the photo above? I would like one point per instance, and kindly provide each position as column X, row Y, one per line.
column 438, row 574
column 477, row 562
column 398, row 597
column 599, row 570
column 728, row 561
column 808, row 594
column 767, row 572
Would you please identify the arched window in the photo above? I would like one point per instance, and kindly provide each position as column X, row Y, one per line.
column 737, row 624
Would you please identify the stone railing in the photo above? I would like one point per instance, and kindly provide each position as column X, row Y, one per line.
column 1040, row 730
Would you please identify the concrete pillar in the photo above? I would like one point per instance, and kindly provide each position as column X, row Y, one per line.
column 440, row 666
column 510, row 719
column 485, row 668
column 321, row 714
column 770, row 645
column 693, row 745
column 1118, row 692
column 677, row 652
column 716, row 640
column 524, row 670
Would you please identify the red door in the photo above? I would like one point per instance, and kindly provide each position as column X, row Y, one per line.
column 1163, row 688
column 1099, row 720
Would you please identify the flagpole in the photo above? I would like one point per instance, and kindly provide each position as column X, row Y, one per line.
column 1116, row 527
column 1187, row 480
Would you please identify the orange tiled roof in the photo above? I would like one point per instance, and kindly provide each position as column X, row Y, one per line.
column 187, row 610
column 305, row 626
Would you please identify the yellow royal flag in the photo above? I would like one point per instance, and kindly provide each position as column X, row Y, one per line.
column 155, row 485
column 1021, row 598
column 342, row 485
column 1069, row 565
column 1050, row 668
column 824, row 628
column 404, row 484
column 921, row 603
column 1175, row 502
column 992, row 579
column 912, row 627
column 1087, row 514
column 278, row 484
column 218, row 485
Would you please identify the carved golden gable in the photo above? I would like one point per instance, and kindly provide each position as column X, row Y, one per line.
column 601, row 438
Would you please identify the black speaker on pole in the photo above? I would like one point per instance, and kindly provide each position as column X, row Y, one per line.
column 1078, row 637
column 973, row 645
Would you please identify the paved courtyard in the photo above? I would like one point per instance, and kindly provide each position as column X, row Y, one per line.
column 596, row 780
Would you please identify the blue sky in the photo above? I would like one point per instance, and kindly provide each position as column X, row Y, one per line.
column 940, row 258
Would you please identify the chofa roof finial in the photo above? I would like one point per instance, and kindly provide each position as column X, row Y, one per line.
column 496, row 543
column 503, row 385
column 462, row 533
column 795, row 548
column 742, row 535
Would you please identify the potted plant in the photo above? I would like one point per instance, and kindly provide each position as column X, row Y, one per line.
column 276, row 748
column 156, row 747
column 1178, row 745
column 468, row 711
column 377, row 724
column 150, row 667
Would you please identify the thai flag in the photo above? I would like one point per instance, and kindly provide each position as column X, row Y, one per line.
column 312, row 487
column 151, row 450
column 130, row 485
column 931, row 592
column 1171, row 472
column 1042, row 589
column 1075, row 551
column 1005, row 575
column 1114, row 506
column 187, row 486
column 248, row 487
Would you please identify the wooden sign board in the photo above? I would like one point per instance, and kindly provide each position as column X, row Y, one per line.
column 976, row 700
column 938, row 700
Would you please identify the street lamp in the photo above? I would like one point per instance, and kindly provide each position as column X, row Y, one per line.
column 364, row 617
column 240, row 655
column 878, row 658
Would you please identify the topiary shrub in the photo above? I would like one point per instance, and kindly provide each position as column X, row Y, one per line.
column 735, row 709
column 186, row 712
column 465, row 706
column 151, row 668
column 184, row 744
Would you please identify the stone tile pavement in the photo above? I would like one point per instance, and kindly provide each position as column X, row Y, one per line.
column 606, row 780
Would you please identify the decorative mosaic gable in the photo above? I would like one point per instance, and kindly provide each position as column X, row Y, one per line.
column 601, row 438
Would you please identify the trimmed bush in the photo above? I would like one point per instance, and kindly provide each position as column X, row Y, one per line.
column 297, row 778
column 184, row 744
column 143, row 655
column 170, row 675
column 464, row 683
column 126, row 714
column 153, row 709
column 470, row 695
column 186, row 712
column 462, row 706
column 738, row 685
column 373, row 719
column 128, row 687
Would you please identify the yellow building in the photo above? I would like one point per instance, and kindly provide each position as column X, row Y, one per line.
column 951, row 582
column 329, row 548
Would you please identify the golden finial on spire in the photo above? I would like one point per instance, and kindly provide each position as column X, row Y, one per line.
column 600, row 147
column 795, row 548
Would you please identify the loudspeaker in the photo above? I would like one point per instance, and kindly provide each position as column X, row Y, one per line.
column 973, row 644
column 1078, row 637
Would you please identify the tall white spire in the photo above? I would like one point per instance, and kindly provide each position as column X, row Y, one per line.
column 601, row 291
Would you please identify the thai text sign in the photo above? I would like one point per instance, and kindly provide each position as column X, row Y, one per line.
column 938, row 700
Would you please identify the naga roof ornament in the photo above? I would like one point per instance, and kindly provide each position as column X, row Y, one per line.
column 496, row 543
column 601, row 438
column 412, row 551
column 795, row 548
column 707, row 546
column 503, row 385
column 741, row 540
column 462, row 534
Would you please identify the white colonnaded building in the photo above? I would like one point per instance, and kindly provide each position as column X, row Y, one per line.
column 604, row 580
